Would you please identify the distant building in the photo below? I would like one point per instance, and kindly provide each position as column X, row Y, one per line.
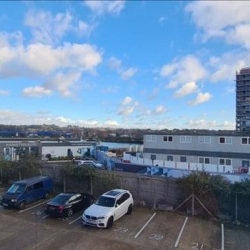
column 15, row 149
column 243, row 100
column 213, row 151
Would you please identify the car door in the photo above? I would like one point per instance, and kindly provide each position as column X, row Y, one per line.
column 29, row 194
column 73, row 202
column 118, row 208
column 78, row 202
column 126, row 203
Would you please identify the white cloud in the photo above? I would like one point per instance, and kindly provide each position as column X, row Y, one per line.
column 36, row 91
column 3, row 92
column 126, row 111
column 201, row 98
column 168, row 69
column 111, row 123
column 229, row 20
column 225, row 66
column 84, row 28
column 206, row 124
column 202, row 123
column 127, row 74
column 152, row 112
column 186, row 89
column 47, row 28
column 63, row 82
column 84, row 57
column 88, row 123
column 160, row 109
column 114, row 64
column 103, row 7
column 188, row 69
column 154, row 94
column 127, row 100
column 59, row 67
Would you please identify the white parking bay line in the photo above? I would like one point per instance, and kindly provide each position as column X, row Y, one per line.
column 222, row 237
column 151, row 218
column 180, row 233
column 29, row 208
column 45, row 216
column 75, row 220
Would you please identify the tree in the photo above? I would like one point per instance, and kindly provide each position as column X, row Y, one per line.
column 203, row 187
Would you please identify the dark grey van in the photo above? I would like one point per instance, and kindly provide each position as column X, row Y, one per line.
column 26, row 191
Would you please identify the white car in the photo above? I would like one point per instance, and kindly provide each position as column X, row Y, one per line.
column 91, row 163
column 108, row 208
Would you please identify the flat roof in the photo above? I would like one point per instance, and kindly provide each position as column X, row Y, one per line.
column 199, row 132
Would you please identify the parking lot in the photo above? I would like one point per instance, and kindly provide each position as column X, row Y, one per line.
column 31, row 228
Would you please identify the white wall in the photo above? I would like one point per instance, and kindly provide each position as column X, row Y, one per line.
column 179, row 165
column 62, row 150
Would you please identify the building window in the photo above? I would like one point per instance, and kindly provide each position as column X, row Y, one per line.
column 185, row 139
column 204, row 160
column 183, row 159
column 170, row 158
column 168, row 138
column 244, row 140
column 222, row 140
column 204, row 139
column 227, row 162
column 225, row 140
column 153, row 157
column 151, row 138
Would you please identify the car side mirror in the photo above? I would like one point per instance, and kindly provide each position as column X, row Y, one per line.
column 116, row 205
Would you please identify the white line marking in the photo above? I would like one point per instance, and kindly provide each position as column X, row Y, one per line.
column 75, row 220
column 47, row 215
column 29, row 208
column 151, row 218
column 222, row 236
column 179, row 236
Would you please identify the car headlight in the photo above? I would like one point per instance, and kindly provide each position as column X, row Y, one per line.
column 13, row 200
column 102, row 217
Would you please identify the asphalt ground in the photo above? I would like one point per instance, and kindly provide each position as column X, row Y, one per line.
column 143, row 229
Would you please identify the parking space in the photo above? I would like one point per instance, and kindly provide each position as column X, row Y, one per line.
column 200, row 234
column 236, row 238
column 143, row 229
column 162, row 231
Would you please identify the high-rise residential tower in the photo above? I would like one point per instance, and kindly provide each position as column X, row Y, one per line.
column 243, row 100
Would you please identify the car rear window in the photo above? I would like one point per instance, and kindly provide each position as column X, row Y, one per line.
column 61, row 199
column 105, row 201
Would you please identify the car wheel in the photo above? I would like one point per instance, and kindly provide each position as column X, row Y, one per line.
column 70, row 212
column 130, row 209
column 110, row 222
column 22, row 205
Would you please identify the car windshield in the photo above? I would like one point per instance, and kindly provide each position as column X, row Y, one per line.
column 17, row 188
column 61, row 199
column 105, row 201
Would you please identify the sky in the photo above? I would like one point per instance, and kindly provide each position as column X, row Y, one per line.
column 122, row 64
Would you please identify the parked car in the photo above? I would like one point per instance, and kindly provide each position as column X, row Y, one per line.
column 92, row 163
column 108, row 208
column 26, row 191
column 65, row 204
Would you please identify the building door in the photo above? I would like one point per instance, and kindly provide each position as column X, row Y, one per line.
column 245, row 164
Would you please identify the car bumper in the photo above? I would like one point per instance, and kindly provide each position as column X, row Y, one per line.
column 93, row 223
column 9, row 204
column 55, row 213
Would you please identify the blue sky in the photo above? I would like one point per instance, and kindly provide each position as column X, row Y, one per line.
column 130, row 64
